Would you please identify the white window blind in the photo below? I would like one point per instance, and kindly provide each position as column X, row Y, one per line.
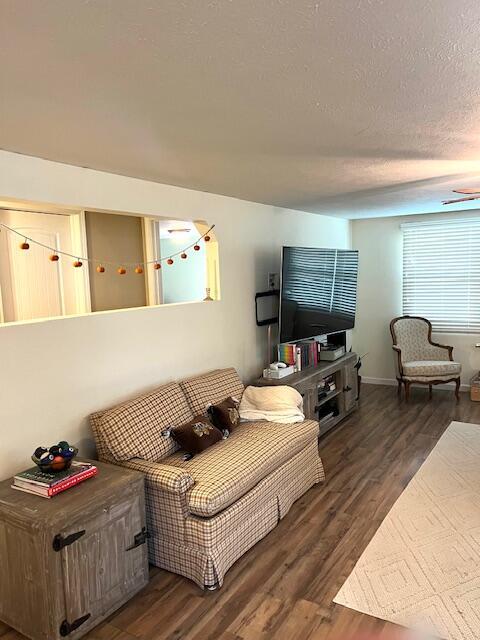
column 441, row 273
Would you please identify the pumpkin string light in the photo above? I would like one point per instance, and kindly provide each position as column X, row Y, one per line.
column 79, row 260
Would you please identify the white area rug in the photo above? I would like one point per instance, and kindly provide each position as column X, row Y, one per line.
column 422, row 567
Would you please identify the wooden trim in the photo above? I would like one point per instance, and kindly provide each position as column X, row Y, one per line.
column 2, row 317
column 151, row 248
column 429, row 384
column 399, row 358
column 434, row 382
column 78, row 234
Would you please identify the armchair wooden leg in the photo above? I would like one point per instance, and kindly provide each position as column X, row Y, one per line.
column 457, row 389
column 407, row 390
column 429, row 391
column 399, row 388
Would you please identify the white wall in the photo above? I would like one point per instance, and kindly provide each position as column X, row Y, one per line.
column 379, row 241
column 54, row 373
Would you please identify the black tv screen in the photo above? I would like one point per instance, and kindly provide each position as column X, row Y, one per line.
column 318, row 292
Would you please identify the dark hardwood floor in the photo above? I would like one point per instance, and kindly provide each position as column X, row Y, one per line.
column 283, row 587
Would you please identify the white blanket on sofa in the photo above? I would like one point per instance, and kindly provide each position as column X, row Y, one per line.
column 276, row 404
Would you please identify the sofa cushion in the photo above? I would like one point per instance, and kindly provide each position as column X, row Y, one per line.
column 225, row 415
column 211, row 388
column 227, row 471
column 431, row 368
column 196, row 435
column 134, row 428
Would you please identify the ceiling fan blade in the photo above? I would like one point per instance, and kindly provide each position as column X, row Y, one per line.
column 461, row 200
column 467, row 191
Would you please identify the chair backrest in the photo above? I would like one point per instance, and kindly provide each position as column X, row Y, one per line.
column 412, row 334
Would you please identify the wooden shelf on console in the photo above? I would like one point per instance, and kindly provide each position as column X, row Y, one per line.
column 329, row 396
column 307, row 384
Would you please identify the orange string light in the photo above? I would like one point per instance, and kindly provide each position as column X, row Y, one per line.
column 78, row 261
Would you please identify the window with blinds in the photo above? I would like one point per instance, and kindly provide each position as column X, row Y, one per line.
column 441, row 273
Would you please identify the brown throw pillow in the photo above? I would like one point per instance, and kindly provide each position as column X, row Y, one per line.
column 225, row 415
column 196, row 435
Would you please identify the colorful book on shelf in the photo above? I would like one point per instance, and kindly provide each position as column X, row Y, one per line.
column 287, row 353
column 47, row 485
column 302, row 354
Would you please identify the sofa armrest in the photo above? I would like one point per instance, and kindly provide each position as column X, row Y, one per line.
column 439, row 349
column 398, row 359
column 162, row 476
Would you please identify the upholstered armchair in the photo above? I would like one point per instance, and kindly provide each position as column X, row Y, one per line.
column 418, row 359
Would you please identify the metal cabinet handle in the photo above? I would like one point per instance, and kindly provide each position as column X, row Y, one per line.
column 139, row 539
column 66, row 628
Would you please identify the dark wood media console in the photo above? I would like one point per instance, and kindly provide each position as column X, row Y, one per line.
column 316, row 401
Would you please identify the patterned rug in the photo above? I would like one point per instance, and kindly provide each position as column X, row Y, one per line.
column 422, row 568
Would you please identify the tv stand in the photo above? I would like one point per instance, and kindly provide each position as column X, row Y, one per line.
column 318, row 404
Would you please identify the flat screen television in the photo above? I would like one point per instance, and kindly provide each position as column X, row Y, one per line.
column 318, row 293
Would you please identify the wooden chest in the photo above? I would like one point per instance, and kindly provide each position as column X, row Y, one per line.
column 68, row 562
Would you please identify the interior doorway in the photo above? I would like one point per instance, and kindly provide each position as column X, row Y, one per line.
column 31, row 285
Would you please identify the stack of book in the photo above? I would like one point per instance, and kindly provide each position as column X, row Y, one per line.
column 46, row 485
column 327, row 385
column 302, row 354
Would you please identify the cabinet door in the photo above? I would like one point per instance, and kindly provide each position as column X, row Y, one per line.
column 103, row 566
column 350, row 388
column 309, row 402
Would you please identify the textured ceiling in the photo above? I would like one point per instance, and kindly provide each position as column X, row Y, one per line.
column 352, row 108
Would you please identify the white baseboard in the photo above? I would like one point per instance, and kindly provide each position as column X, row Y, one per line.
column 390, row 382
column 386, row 381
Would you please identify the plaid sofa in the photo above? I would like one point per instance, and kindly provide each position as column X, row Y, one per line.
column 205, row 513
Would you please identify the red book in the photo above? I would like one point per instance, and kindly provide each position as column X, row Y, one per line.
column 48, row 492
column 71, row 482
